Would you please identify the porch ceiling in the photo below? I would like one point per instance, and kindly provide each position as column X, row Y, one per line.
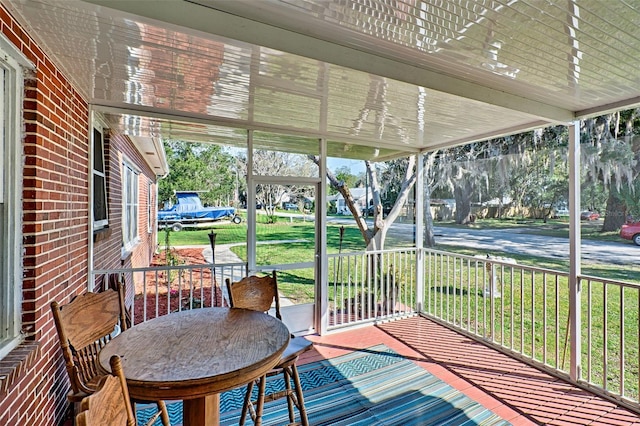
column 376, row 78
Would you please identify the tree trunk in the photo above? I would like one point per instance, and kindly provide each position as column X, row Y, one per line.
column 462, row 194
column 615, row 215
column 616, row 211
column 374, row 237
column 429, row 238
column 381, row 226
column 377, row 242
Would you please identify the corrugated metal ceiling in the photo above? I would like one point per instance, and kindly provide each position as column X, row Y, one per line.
column 376, row 78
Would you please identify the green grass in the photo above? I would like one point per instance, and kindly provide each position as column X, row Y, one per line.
column 280, row 231
column 285, row 229
column 552, row 228
column 630, row 273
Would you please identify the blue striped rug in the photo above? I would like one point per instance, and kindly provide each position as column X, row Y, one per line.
column 374, row 386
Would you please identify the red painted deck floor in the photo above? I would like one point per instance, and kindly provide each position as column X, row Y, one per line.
column 519, row 393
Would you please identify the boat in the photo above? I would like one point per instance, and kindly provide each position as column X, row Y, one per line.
column 189, row 211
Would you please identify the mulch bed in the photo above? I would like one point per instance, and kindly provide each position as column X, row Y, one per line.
column 177, row 295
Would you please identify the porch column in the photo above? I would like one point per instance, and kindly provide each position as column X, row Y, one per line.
column 419, row 224
column 322, row 259
column 575, row 326
column 251, row 207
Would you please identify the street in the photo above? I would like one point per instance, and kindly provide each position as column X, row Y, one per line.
column 517, row 241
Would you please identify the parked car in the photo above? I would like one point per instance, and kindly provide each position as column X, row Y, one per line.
column 290, row 206
column 631, row 231
column 589, row 215
column 370, row 211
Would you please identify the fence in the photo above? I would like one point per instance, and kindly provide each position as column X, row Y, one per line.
column 524, row 310
column 371, row 286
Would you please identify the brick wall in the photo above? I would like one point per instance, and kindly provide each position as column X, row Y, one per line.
column 107, row 251
column 56, row 231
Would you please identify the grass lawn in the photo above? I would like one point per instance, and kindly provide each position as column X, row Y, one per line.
column 589, row 230
column 303, row 233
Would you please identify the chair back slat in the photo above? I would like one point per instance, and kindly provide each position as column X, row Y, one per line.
column 255, row 293
column 87, row 358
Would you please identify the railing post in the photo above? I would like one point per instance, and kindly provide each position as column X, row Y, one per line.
column 419, row 279
column 574, row 251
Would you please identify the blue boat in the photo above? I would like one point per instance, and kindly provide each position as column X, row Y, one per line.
column 190, row 211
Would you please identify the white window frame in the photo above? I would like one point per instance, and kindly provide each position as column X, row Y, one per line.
column 130, row 205
column 149, row 207
column 13, row 66
column 99, row 176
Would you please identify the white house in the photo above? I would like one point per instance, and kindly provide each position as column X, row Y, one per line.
column 360, row 195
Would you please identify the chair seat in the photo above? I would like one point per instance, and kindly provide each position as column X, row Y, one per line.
column 259, row 294
column 296, row 347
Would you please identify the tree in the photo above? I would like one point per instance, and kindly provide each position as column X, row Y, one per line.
column 610, row 152
column 274, row 163
column 428, row 235
column 374, row 236
column 527, row 167
column 458, row 170
column 206, row 168
column 343, row 174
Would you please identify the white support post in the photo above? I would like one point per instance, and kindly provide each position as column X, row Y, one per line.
column 419, row 228
column 574, row 251
column 251, row 207
column 322, row 260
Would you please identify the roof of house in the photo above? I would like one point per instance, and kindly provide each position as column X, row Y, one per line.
column 375, row 78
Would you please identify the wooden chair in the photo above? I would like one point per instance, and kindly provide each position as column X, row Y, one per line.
column 259, row 294
column 109, row 404
column 86, row 325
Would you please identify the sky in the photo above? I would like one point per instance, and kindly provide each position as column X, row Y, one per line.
column 356, row 166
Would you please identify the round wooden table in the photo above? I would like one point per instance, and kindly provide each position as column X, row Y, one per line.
column 196, row 354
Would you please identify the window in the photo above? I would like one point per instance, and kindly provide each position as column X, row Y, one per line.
column 11, row 92
column 149, row 207
column 129, row 206
column 100, row 219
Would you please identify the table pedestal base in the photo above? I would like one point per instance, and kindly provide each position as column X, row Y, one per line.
column 201, row 411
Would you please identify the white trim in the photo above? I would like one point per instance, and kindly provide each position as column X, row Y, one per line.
column 150, row 200
column 251, row 205
column 285, row 180
column 13, row 64
column 419, row 230
column 129, row 243
column 14, row 57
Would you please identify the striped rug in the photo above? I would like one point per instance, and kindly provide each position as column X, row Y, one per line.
column 374, row 386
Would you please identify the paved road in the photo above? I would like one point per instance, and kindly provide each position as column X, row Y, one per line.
column 519, row 242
